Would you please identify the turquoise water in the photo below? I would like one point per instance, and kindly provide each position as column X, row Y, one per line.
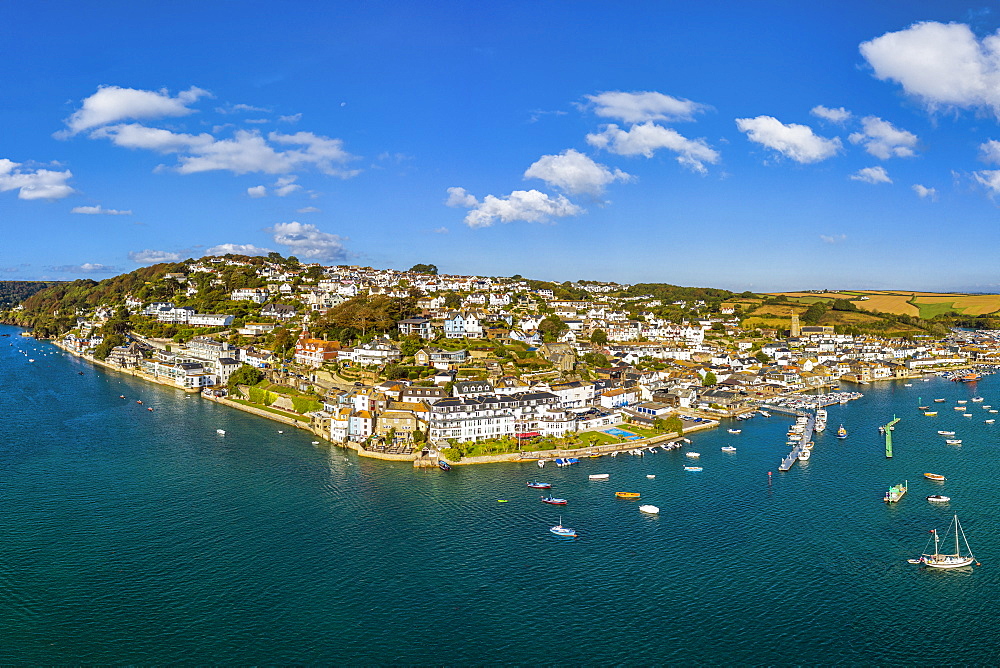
column 130, row 536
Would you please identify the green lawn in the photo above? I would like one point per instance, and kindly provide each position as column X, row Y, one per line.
column 294, row 416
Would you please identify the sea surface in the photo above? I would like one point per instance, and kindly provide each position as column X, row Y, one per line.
column 130, row 536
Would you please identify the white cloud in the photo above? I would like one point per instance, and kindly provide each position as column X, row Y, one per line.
column 99, row 210
column 883, row 140
column 574, row 173
column 990, row 151
column 291, row 118
column 240, row 108
column 152, row 256
column 924, row 193
column 646, row 138
column 237, row 249
column 440, row 230
column 990, row 178
column 112, row 103
column 247, row 151
column 530, row 206
column 307, row 241
column 834, row 239
column 257, row 191
column 85, row 268
column 34, row 183
column 838, row 115
column 286, row 186
column 643, row 106
column 794, row 141
column 308, row 209
column 871, row 175
column 458, row 197
column 944, row 65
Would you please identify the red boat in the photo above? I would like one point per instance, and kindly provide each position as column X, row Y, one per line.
column 554, row 501
column 540, row 485
column 968, row 378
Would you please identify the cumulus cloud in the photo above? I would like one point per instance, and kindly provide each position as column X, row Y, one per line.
column 794, row 141
column 647, row 138
column 34, row 183
column 990, row 179
column 871, row 175
column 308, row 209
column 883, row 140
column 113, row 103
column 924, row 193
column 459, row 197
column 85, row 268
column 135, row 135
column 307, row 241
column 291, row 118
column 574, row 173
column 943, row 65
column 257, row 191
column 833, row 239
column 643, row 106
column 531, row 206
column 241, row 108
column 237, row 249
column 989, row 151
column 152, row 256
column 99, row 210
column 838, row 115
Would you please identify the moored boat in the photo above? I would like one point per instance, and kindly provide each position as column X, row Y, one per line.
column 728, row 448
column 735, row 431
column 930, row 413
column 539, row 485
column 551, row 500
column 650, row 475
column 953, row 441
column 599, row 476
column 946, row 433
column 561, row 531
column 646, row 508
column 939, row 401
column 938, row 498
column 934, row 476
column 841, row 432
column 627, row 495
column 692, row 454
column 444, row 466
column 896, row 493
column 693, row 468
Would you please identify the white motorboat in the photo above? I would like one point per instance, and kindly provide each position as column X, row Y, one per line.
column 938, row 498
column 946, row 433
column 989, row 421
column 541, row 463
column 599, row 476
column 648, row 509
column 692, row 454
column 220, row 432
column 804, row 454
column 728, row 448
column 735, row 431
column 650, row 476
column 953, row 441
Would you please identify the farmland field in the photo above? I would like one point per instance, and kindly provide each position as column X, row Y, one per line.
column 924, row 304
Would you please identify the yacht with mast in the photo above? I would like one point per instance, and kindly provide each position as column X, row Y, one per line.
column 938, row 559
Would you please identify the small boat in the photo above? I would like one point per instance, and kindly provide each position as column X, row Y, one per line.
column 80, row 372
column 692, row 454
column 150, row 408
column 315, row 442
column 764, row 413
column 946, row 433
column 930, row 413
column 961, row 401
column 966, row 414
column 907, row 384
column 989, row 421
column 841, row 432
column 551, row 500
column 444, row 466
column 939, row 401
column 540, row 485
column 804, row 454
column 501, row 500
column 121, row 396
column 959, row 408
column 650, row 476
column 896, row 492
column 938, row 498
column 735, row 431
column 728, row 448
column 953, row 441
column 934, row 476
column 280, row 431
column 693, row 468
column 138, row 402
column 561, row 531
column 541, row 463
column 627, row 495
column 977, row 400
column 993, row 411
column 652, row 510
column 599, row 476
column 937, row 559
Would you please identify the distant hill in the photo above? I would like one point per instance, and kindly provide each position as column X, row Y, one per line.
column 13, row 293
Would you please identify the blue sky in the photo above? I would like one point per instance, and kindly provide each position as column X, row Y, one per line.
column 762, row 146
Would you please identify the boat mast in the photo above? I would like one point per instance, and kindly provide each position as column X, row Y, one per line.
column 958, row 528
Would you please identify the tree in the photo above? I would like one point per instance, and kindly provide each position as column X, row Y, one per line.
column 814, row 313
column 709, row 380
column 245, row 375
column 425, row 269
column 674, row 424
column 453, row 300
column 551, row 327
column 599, row 336
column 762, row 357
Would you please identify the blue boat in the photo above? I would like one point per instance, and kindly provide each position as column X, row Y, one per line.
column 444, row 466
column 539, row 485
column 553, row 500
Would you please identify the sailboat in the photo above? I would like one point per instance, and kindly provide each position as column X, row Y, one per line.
column 841, row 433
column 937, row 559
column 561, row 531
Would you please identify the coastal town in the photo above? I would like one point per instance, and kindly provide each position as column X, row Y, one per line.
column 470, row 369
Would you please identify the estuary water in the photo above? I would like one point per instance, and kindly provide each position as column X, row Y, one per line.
column 137, row 536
